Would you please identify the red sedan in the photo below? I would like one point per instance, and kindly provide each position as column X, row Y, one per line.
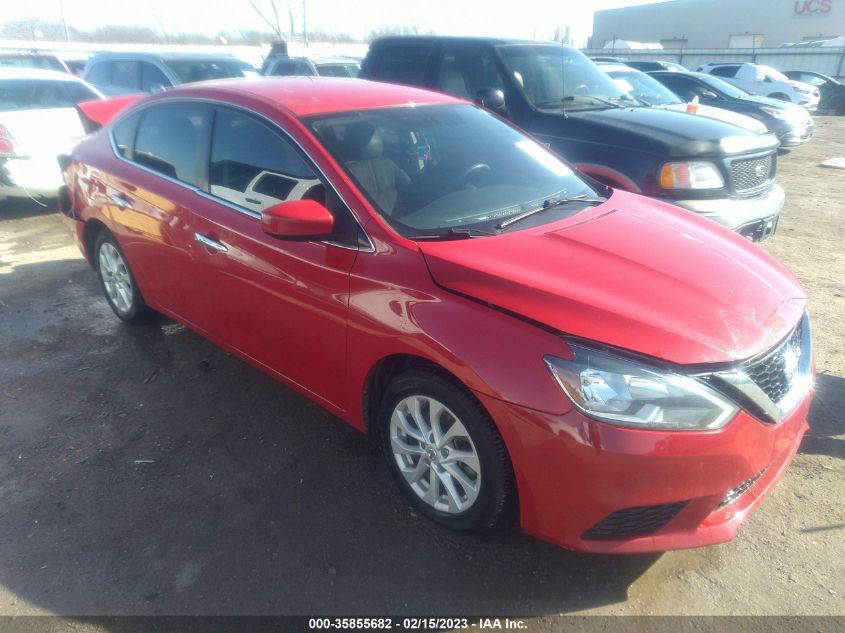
column 633, row 376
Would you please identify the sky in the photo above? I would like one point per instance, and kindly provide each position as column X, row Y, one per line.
column 518, row 18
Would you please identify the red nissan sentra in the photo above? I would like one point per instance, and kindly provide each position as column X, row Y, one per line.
column 633, row 376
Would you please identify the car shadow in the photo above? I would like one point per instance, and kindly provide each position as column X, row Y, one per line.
column 145, row 471
column 827, row 429
column 16, row 208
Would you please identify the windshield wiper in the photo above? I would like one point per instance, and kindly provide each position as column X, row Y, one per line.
column 454, row 234
column 551, row 203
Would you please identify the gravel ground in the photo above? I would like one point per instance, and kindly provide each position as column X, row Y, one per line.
column 144, row 471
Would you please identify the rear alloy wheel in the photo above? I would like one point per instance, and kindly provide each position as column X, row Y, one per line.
column 118, row 282
column 445, row 451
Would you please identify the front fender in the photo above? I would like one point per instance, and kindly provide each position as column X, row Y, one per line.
column 491, row 352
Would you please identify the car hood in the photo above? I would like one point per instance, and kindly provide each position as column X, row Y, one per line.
column 720, row 114
column 633, row 273
column 683, row 134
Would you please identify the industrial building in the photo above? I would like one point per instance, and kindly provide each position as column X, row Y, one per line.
column 721, row 23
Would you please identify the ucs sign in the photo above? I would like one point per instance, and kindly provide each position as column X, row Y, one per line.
column 813, row 7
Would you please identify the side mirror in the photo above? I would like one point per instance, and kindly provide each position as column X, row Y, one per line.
column 158, row 87
column 708, row 94
column 492, row 99
column 298, row 219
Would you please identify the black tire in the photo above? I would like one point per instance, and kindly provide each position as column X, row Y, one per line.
column 138, row 311
column 496, row 475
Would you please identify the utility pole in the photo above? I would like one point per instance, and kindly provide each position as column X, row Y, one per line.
column 304, row 25
column 64, row 23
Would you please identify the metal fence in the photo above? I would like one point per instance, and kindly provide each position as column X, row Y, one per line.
column 828, row 61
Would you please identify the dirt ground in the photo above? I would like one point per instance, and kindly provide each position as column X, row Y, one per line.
column 144, row 471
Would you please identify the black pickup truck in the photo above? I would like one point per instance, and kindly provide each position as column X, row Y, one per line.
column 557, row 94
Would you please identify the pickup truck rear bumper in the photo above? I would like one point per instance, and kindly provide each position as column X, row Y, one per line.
column 736, row 213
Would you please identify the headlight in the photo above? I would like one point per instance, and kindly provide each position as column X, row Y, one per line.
column 691, row 175
column 778, row 114
column 628, row 393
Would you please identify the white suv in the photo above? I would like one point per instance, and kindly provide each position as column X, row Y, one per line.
column 766, row 81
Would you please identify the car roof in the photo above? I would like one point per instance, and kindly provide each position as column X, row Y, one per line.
column 305, row 96
column 163, row 55
column 10, row 72
column 456, row 39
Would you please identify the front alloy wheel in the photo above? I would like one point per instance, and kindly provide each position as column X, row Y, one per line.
column 435, row 454
column 444, row 450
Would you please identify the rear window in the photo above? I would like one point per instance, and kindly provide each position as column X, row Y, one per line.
column 39, row 94
column 338, row 70
column 201, row 69
column 46, row 62
column 403, row 63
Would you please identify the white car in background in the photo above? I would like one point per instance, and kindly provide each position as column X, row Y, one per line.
column 38, row 121
column 651, row 92
column 765, row 81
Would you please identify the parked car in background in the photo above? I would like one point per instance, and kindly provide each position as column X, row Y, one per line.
column 557, row 94
column 76, row 66
column 128, row 72
column 792, row 124
column 653, row 93
column 38, row 121
column 650, row 65
column 651, row 371
column 758, row 79
column 831, row 91
column 44, row 61
column 324, row 67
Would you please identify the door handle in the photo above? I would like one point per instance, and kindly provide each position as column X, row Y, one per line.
column 212, row 244
column 120, row 201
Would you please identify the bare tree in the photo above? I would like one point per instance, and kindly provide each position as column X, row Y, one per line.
column 274, row 22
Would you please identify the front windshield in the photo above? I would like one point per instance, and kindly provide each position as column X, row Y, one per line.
column 190, row 70
column 557, row 76
column 432, row 170
column 775, row 75
column 643, row 87
column 722, row 86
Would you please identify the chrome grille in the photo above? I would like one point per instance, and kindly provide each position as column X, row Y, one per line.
column 774, row 373
column 770, row 386
column 751, row 173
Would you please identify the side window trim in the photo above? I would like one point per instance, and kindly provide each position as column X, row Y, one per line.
column 365, row 244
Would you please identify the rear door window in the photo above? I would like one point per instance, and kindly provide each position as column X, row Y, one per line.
column 403, row 63
column 725, row 71
column 152, row 78
column 98, row 74
column 125, row 74
column 465, row 70
column 173, row 139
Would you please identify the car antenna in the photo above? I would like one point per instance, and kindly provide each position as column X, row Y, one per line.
column 562, row 76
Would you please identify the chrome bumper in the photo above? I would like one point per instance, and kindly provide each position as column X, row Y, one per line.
column 737, row 212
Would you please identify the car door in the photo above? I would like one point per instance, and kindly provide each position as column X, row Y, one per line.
column 280, row 302
column 150, row 193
